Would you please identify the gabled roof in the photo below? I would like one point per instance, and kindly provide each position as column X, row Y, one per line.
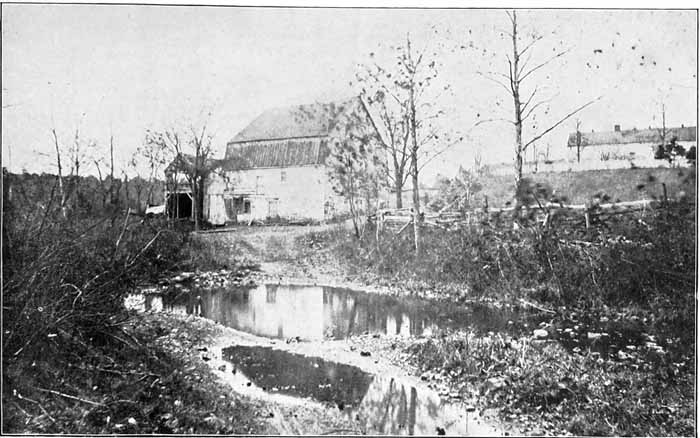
column 311, row 120
column 652, row 136
column 286, row 137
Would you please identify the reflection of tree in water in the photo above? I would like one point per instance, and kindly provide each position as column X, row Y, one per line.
column 393, row 408
column 315, row 312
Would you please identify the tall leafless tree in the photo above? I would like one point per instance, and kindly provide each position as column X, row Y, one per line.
column 520, row 69
column 400, row 93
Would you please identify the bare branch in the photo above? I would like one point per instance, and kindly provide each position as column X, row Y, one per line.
column 532, row 43
column 529, row 99
column 561, row 121
column 538, row 104
column 496, row 81
column 511, row 17
column 539, row 66
column 500, row 119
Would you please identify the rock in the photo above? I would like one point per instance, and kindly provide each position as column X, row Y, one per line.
column 131, row 421
column 365, row 353
column 540, row 333
column 440, row 430
column 592, row 335
column 496, row 382
column 222, row 367
column 470, row 408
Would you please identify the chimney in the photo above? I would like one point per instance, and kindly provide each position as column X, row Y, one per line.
column 617, row 128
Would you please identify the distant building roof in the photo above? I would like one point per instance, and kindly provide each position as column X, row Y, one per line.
column 632, row 136
column 311, row 120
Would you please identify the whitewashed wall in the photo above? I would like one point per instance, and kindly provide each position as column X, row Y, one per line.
column 599, row 157
column 303, row 193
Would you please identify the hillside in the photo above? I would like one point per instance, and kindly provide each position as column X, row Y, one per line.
column 580, row 187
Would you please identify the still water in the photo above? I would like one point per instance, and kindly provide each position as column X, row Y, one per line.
column 378, row 404
column 318, row 312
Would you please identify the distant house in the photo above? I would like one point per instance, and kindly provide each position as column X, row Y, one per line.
column 275, row 167
column 616, row 149
column 625, row 148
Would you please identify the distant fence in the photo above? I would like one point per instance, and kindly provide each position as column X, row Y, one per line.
column 544, row 214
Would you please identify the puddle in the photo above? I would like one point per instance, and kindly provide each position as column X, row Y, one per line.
column 377, row 404
column 317, row 312
column 301, row 376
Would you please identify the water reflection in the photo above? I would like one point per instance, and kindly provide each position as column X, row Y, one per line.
column 316, row 312
column 379, row 404
column 300, row 376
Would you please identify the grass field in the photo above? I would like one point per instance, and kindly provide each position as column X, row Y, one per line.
column 580, row 187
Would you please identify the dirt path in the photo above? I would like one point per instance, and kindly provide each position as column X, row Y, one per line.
column 283, row 256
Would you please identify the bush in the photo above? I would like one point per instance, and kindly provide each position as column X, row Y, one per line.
column 65, row 278
column 645, row 261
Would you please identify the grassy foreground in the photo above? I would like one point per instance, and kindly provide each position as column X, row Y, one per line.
column 151, row 382
column 547, row 389
column 638, row 267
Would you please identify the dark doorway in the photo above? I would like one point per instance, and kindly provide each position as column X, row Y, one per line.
column 179, row 206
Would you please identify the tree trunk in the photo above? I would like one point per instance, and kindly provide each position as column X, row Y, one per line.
column 398, row 186
column 195, row 205
column 60, row 174
column 515, row 84
column 111, row 172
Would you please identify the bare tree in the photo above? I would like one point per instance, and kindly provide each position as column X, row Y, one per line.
column 155, row 160
column 191, row 151
column 399, row 92
column 525, row 105
column 392, row 124
column 61, row 187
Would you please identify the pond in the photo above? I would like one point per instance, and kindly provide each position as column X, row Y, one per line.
column 311, row 313
column 319, row 312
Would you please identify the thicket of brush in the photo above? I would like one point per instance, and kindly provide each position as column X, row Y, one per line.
column 66, row 272
column 645, row 260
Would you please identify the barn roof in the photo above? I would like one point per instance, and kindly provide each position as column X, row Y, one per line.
column 311, row 120
column 285, row 137
column 632, row 136
column 277, row 153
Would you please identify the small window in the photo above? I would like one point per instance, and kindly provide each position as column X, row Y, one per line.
column 246, row 207
column 283, row 176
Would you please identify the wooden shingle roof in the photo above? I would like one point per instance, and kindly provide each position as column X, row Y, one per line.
column 276, row 153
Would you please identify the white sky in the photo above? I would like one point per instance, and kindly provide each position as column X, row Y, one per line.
column 139, row 67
